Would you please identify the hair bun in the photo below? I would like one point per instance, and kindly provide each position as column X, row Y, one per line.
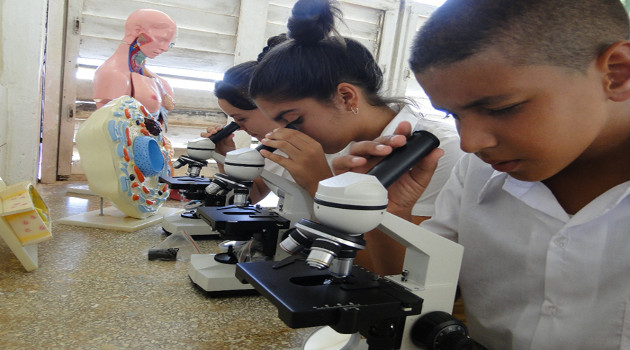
column 312, row 20
column 271, row 43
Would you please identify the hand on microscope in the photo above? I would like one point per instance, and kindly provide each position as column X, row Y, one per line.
column 306, row 161
column 404, row 193
column 223, row 146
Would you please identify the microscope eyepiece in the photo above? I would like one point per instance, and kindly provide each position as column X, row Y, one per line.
column 224, row 132
column 418, row 146
column 271, row 149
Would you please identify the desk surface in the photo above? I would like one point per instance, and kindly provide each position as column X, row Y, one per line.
column 96, row 289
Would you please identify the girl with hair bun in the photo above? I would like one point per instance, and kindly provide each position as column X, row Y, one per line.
column 329, row 87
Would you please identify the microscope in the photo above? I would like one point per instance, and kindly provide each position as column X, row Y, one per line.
column 320, row 286
column 262, row 228
column 199, row 190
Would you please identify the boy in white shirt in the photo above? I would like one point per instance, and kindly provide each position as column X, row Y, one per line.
column 540, row 92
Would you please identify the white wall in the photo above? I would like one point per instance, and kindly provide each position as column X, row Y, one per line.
column 21, row 52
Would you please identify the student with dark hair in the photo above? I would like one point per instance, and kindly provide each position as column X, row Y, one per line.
column 540, row 92
column 329, row 87
column 233, row 99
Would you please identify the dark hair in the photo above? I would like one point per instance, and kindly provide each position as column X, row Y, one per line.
column 564, row 33
column 235, row 84
column 271, row 43
column 233, row 87
column 314, row 62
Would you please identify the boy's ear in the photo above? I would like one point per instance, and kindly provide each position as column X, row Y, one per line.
column 349, row 96
column 616, row 63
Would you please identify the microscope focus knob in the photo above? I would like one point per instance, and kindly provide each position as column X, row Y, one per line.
column 439, row 330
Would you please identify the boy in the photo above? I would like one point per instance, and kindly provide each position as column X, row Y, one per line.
column 540, row 93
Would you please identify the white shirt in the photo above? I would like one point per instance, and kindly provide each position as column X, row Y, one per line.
column 534, row 277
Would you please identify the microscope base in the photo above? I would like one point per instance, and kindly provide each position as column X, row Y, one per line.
column 193, row 227
column 325, row 338
column 213, row 276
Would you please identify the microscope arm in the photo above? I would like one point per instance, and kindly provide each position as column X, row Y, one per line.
column 219, row 158
column 432, row 263
column 296, row 199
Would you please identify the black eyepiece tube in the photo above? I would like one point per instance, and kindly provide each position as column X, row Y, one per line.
column 418, row 146
column 271, row 149
column 223, row 133
column 266, row 148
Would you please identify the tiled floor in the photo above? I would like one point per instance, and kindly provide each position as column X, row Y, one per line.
column 96, row 289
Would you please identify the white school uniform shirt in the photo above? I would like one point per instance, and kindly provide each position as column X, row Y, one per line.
column 449, row 142
column 534, row 277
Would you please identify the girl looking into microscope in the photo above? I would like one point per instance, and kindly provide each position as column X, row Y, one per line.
column 328, row 86
column 233, row 99
column 234, row 102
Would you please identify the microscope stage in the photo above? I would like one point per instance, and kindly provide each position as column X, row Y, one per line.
column 178, row 223
column 306, row 297
column 186, row 182
column 239, row 223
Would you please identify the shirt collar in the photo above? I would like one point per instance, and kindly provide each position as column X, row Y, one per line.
column 495, row 182
column 537, row 195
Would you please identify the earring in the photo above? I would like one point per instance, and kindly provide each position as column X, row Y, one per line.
column 354, row 109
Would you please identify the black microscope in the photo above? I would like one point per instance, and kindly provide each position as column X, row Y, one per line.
column 320, row 286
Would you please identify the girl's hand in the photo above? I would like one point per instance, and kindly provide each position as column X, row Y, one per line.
column 305, row 159
column 225, row 145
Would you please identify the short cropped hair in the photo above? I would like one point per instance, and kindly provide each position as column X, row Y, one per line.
column 563, row 33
